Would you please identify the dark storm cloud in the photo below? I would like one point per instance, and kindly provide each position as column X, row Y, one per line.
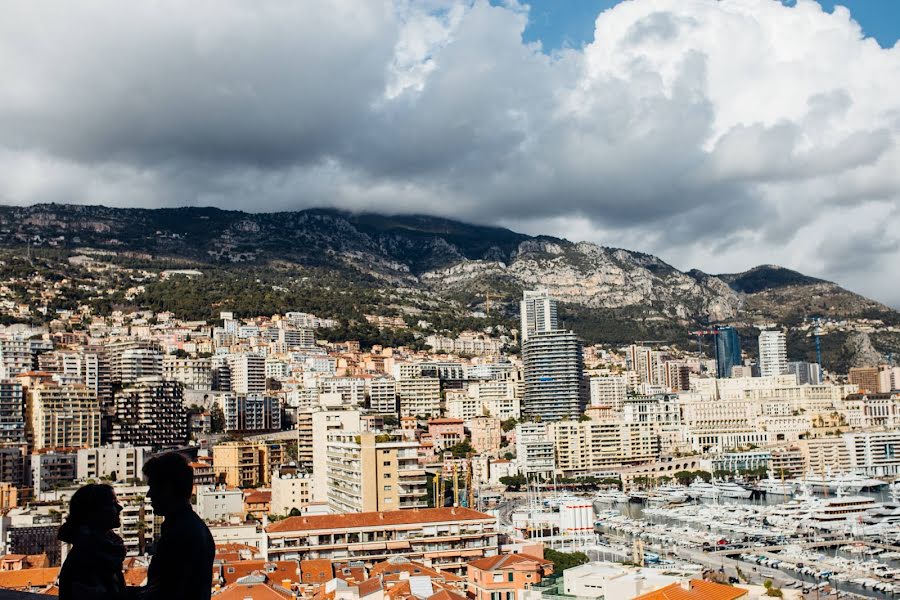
column 719, row 134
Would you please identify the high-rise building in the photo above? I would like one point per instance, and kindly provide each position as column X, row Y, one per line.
column 419, row 396
column 250, row 412
column 370, row 472
column 728, row 351
column 248, row 374
column 772, row 353
column 62, row 416
column 538, row 313
column 554, row 375
column 866, row 378
column 12, row 414
column 322, row 423
column 150, row 412
column 15, row 357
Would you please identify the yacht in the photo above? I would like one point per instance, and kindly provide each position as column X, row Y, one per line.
column 702, row 489
column 850, row 481
column 777, row 487
column 839, row 512
column 610, row 497
column 667, row 495
column 730, row 489
column 825, row 483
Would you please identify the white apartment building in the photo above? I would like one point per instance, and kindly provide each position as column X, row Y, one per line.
column 248, row 373
column 116, row 462
column 322, row 424
column 382, row 393
column 218, row 503
column 608, row 390
column 419, row 396
column 470, row 343
column 535, row 451
column 290, row 491
column 192, row 373
column 251, row 412
column 772, row 353
column 62, row 416
column 589, row 447
column 351, row 389
column 374, row 472
column 137, row 363
column 537, row 312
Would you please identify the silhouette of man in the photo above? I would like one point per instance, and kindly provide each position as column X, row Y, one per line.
column 181, row 568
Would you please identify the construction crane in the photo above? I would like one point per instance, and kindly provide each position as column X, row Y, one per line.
column 817, row 331
column 700, row 333
column 487, row 303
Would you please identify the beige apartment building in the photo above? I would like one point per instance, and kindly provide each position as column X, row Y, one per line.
column 371, row 471
column 245, row 463
column 443, row 538
column 486, row 434
column 62, row 416
column 419, row 396
column 585, row 447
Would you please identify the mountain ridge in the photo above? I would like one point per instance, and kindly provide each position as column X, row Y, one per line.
column 474, row 267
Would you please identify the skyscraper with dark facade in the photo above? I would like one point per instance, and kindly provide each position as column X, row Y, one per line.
column 728, row 351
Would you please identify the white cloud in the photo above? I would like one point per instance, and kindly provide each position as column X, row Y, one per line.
column 719, row 134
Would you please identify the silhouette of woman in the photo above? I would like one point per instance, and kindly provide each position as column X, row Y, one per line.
column 93, row 568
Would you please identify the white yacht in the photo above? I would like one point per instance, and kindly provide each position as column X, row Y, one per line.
column 702, row 489
column 826, row 483
column 610, row 497
column 841, row 511
column 669, row 494
column 777, row 487
column 850, row 481
column 730, row 489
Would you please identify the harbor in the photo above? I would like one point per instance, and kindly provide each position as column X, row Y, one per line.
column 813, row 536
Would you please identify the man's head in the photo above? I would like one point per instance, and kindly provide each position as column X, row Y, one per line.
column 171, row 481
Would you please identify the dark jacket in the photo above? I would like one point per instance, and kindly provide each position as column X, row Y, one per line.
column 181, row 568
column 93, row 568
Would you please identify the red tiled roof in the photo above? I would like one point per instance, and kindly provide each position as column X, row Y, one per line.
column 376, row 519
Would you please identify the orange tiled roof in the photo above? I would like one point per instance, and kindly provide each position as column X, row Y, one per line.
column 413, row 568
column 506, row 561
column 316, row 571
column 700, row 590
column 25, row 579
column 252, row 591
column 277, row 571
column 136, row 576
column 376, row 519
column 258, row 498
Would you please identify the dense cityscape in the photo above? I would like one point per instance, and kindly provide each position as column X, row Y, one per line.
column 450, row 300
column 321, row 466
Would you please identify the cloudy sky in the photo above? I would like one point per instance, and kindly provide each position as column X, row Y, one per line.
column 716, row 134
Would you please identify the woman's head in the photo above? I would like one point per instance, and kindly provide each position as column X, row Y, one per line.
column 93, row 506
